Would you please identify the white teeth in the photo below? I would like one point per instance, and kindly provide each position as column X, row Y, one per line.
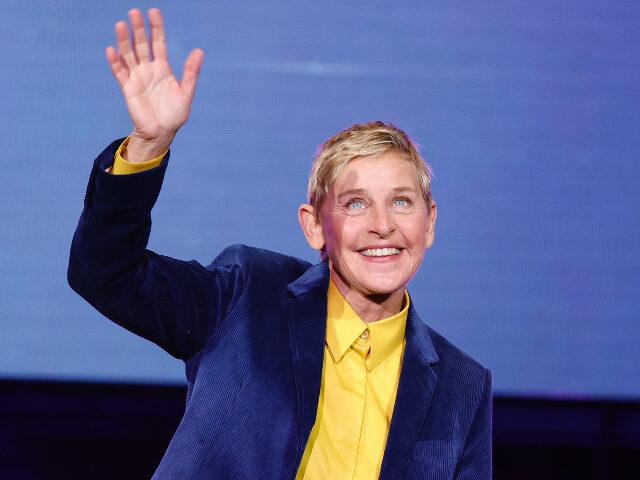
column 379, row 252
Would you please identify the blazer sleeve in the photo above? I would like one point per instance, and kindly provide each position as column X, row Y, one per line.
column 475, row 462
column 173, row 303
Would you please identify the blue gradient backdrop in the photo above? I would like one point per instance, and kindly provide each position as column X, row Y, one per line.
column 529, row 113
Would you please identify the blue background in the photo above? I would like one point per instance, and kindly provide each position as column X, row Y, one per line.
column 529, row 113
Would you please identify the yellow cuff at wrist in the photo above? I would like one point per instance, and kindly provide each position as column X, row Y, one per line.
column 122, row 167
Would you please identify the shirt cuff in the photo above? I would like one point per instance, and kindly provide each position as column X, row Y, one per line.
column 122, row 167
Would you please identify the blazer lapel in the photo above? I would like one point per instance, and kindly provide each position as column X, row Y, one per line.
column 307, row 321
column 416, row 386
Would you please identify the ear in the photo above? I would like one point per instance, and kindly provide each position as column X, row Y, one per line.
column 311, row 226
column 431, row 224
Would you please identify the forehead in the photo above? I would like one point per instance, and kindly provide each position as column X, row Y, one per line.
column 391, row 170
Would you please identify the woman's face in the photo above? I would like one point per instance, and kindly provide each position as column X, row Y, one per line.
column 376, row 225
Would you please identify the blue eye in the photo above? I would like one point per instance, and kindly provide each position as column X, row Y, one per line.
column 355, row 204
column 401, row 202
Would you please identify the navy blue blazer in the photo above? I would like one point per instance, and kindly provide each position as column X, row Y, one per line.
column 251, row 330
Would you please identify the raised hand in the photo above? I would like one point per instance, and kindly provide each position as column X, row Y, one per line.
column 158, row 103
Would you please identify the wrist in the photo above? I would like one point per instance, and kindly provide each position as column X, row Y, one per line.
column 139, row 149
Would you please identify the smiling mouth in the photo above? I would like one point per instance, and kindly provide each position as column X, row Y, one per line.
column 380, row 252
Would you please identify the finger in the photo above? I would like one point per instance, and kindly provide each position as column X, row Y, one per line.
column 119, row 71
column 191, row 71
column 124, row 47
column 140, row 43
column 158, row 41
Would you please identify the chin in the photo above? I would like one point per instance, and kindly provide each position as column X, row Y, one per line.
column 384, row 288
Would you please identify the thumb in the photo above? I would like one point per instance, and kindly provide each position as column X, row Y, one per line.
column 191, row 70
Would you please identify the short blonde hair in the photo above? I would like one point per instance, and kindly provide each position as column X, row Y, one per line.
column 369, row 139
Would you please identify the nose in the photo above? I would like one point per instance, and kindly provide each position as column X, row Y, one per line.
column 382, row 223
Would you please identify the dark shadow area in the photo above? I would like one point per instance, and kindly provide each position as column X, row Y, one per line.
column 102, row 431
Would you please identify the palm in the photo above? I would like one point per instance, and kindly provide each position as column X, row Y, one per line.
column 158, row 103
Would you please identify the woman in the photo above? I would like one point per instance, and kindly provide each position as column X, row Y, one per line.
column 294, row 370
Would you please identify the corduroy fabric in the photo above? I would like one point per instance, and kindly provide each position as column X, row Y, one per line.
column 251, row 330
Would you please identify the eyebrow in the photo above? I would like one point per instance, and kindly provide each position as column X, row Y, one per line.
column 404, row 189
column 352, row 191
column 362, row 191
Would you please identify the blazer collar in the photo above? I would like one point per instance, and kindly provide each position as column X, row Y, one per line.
column 307, row 310
column 315, row 278
column 307, row 320
column 415, row 389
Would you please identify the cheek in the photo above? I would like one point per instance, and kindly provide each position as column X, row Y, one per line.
column 417, row 234
column 341, row 232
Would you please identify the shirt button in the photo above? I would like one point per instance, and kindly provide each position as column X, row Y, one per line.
column 364, row 335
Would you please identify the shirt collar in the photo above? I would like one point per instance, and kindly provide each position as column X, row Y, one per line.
column 344, row 327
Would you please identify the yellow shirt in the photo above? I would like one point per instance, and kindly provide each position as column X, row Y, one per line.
column 360, row 378
column 122, row 167
column 359, row 383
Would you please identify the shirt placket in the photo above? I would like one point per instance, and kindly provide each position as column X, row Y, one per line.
column 362, row 348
